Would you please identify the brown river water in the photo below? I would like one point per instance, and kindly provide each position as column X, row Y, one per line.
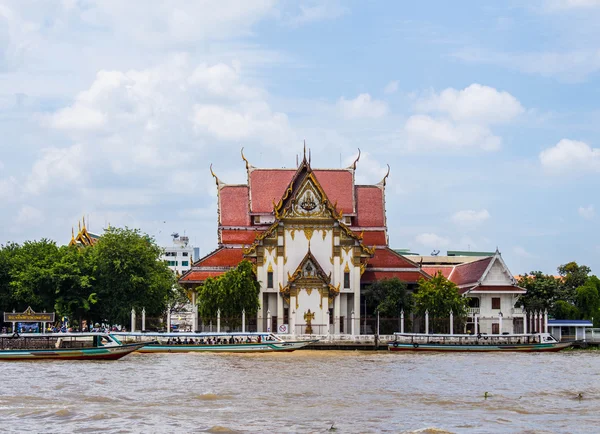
column 306, row 392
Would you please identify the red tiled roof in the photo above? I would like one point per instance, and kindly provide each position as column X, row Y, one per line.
column 222, row 257
column 370, row 210
column 387, row 258
column 238, row 236
column 405, row 276
column 200, row 276
column 470, row 272
column 266, row 186
column 503, row 288
column 433, row 270
column 234, row 205
column 338, row 186
column 374, row 238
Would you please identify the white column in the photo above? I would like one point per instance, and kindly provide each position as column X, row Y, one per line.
column 279, row 312
column 451, row 322
column 143, row 319
column 219, row 321
column 377, row 323
column 244, row 321
column 546, row 321
column 169, row 319
column 356, row 307
column 194, row 311
column 525, row 318
column 500, row 323
column 132, row 320
column 476, row 319
column 352, row 323
column 269, row 320
column 426, row 322
column 402, row 321
column 327, row 322
column 293, row 322
column 537, row 322
column 336, row 312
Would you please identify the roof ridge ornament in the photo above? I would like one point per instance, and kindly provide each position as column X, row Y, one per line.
column 248, row 165
column 384, row 180
column 355, row 161
column 217, row 181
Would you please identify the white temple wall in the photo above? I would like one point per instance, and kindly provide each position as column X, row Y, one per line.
column 497, row 275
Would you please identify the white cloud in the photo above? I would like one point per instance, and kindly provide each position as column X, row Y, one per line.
column 423, row 132
column 62, row 167
column 8, row 188
column 29, row 216
column 570, row 155
column 362, row 107
column 392, row 87
column 470, row 217
column 432, row 240
column 77, row 117
column 224, row 81
column 587, row 212
column 476, row 103
column 246, row 120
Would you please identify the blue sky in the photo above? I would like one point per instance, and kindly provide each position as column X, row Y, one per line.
column 487, row 113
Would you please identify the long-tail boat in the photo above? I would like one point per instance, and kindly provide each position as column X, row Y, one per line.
column 63, row 346
column 537, row 342
column 235, row 342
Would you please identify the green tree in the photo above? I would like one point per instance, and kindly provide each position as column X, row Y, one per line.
column 439, row 297
column 32, row 275
column 572, row 277
column 128, row 273
column 73, row 276
column 7, row 253
column 542, row 291
column 564, row 310
column 234, row 291
column 588, row 300
column 389, row 297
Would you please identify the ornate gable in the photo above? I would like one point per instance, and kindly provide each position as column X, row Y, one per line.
column 309, row 275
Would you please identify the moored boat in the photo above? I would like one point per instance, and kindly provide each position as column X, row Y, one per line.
column 63, row 346
column 538, row 342
column 215, row 342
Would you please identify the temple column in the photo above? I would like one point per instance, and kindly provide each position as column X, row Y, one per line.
column 194, row 311
column 356, row 310
column 132, row 320
column 279, row 312
column 168, row 318
column 336, row 313
column 525, row 323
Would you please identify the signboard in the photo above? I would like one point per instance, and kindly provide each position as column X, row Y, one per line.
column 28, row 316
column 283, row 328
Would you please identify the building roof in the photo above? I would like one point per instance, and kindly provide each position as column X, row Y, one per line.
column 570, row 322
column 470, row 272
column 432, row 271
column 387, row 258
column 371, row 210
column 498, row 288
column 405, row 276
column 233, row 203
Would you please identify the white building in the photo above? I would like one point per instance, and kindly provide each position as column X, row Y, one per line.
column 179, row 257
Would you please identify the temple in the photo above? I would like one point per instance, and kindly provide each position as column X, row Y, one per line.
column 317, row 239
column 84, row 238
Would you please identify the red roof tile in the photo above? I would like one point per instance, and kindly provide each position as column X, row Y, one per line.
column 470, row 272
column 234, row 205
column 370, row 210
column 387, row 258
column 405, row 276
column 200, row 276
column 433, row 270
column 338, row 186
column 268, row 185
column 222, row 257
column 503, row 288
column 374, row 238
column 238, row 236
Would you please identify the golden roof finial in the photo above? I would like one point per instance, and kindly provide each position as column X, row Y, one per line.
column 248, row 165
column 83, row 220
column 213, row 174
column 383, row 181
column 79, row 226
column 72, row 233
column 356, row 161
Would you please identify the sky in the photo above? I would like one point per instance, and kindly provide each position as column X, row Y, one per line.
column 486, row 112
